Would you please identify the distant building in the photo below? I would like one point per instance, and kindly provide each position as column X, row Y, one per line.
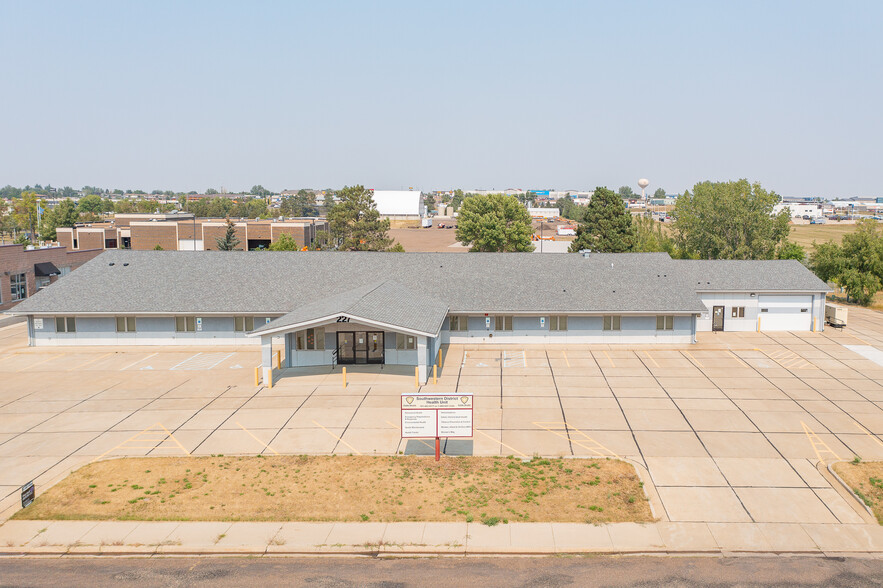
column 403, row 208
column 798, row 209
column 24, row 270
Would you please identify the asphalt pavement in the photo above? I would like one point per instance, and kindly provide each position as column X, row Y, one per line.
column 448, row 572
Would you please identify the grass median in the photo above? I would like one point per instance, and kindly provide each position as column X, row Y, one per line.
column 866, row 480
column 348, row 488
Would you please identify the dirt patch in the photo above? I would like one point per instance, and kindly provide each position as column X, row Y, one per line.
column 866, row 480
column 347, row 488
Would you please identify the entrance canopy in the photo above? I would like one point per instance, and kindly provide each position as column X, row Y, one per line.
column 386, row 305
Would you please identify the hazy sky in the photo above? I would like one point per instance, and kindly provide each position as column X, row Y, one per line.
column 190, row 95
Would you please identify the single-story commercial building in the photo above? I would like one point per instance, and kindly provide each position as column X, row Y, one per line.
column 399, row 308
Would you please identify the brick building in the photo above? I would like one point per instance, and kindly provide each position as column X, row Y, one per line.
column 179, row 232
column 24, row 270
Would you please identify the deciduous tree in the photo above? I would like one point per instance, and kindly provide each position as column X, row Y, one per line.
column 730, row 220
column 494, row 222
column 285, row 242
column 24, row 211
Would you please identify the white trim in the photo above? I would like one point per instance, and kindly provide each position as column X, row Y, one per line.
column 328, row 320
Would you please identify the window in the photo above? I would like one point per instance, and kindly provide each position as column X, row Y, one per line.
column 502, row 323
column 557, row 323
column 612, row 323
column 804, row 310
column 310, row 340
column 65, row 324
column 764, row 310
column 738, row 312
column 459, row 323
column 185, row 324
column 19, row 286
column 404, row 342
column 243, row 323
column 665, row 323
column 125, row 324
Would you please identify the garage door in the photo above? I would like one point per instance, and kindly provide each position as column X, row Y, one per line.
column 785, row 313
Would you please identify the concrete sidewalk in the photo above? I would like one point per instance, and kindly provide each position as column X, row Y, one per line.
column 65, row 538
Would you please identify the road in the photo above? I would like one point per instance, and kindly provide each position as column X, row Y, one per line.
column 448, row 572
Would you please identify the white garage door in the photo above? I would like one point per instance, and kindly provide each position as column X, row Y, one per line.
column 785, row 313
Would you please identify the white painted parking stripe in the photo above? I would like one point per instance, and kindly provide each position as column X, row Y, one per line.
column 867, row 352
column 139, row 361
column 202, row 361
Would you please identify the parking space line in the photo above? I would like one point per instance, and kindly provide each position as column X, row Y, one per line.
column 256, row 439
column 40, row 362
column 817, row 442
column 150, row 430
column 400, row 431
column 594, row 447
column 564, row 353
column 693, row 359
column 647, row 353
column 139, row 361
column 869, row 434
column 500, row 442
column 608, row 358
column 739, row 359
column 339, row 439
column 186, row 360
column 91, row 361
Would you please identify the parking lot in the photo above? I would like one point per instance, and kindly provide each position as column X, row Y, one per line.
column 729, row 430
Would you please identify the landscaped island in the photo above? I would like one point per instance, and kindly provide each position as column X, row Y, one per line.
column 348, row 488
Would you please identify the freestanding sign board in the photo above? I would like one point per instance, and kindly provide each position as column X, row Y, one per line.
column 435, row 416
column 27, row 494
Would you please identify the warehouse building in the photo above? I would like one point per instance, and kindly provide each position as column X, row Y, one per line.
column 403, row 208
column 398, row 308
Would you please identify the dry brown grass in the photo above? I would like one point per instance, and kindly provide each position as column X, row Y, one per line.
column 866, row 480
column 347, row 488
column 806, row 234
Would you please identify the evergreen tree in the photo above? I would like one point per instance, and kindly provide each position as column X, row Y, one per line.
column 607, row 225
column 355, row 224
column 229, row 241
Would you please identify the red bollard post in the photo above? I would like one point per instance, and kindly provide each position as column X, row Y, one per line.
column 437, row 449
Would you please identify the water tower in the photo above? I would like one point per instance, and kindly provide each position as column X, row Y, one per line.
column 643, row 183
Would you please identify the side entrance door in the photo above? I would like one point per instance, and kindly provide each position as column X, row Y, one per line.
column 717, row 318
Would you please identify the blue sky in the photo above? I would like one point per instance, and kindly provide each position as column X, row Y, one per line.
column 435, row 95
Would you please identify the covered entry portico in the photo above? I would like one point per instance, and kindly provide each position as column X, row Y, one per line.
column 385, row 323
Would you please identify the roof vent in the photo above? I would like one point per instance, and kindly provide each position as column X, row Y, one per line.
column 111, row 263
column 125, row 265
column 586, row 252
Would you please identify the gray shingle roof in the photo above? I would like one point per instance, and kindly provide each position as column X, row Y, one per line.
column 384, row 302
column 277, row 283
column 725, row 275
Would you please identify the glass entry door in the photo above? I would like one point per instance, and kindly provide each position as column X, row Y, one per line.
column 357, row 347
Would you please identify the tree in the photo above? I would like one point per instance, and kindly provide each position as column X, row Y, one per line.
column 397, row 248
column 210, row 191
column 856, row 265
column 607, row 226
column 494, row 222
column 626, row 193
column 429, row 202
column 157, row 247
column 328, row 203
column 91, row 203
column 301, row 204
column 285, row 242
column 355, row 224
column 259, row 190
column 229, row 241
column 790, row 250
column 24, row 211
column 659, row 194
column 730, row 220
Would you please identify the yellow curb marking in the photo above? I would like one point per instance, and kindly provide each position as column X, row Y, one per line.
column 594, row 447
column 256, row 439
column 817, row 442
column 339, row 439
column 91, row 361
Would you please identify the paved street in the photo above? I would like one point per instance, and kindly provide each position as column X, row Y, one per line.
column 503, row 572
column 732, row 430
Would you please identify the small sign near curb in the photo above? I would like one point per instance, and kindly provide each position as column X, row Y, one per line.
column 27, row 494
